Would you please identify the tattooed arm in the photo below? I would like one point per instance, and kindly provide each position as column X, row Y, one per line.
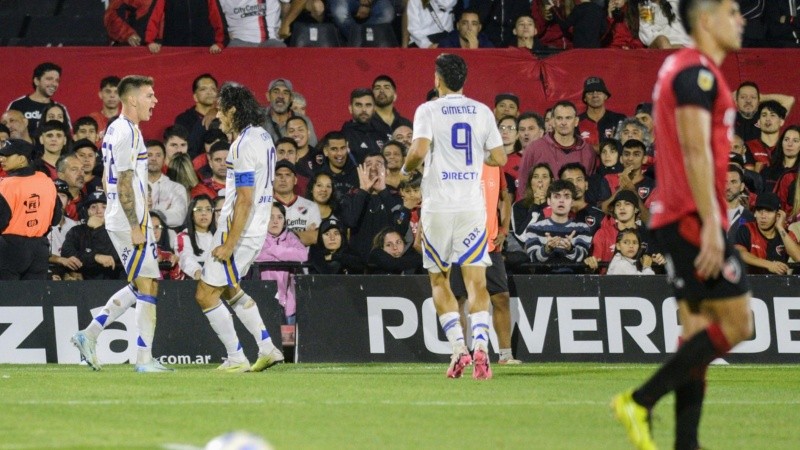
column 127, row 200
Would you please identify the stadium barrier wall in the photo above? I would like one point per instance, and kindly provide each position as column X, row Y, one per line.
column 326, row 76
column 557, row 318
column 37, row 320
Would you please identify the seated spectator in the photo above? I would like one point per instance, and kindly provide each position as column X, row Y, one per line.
column 660, row 25
column 166, row 195
column 467, row 33
column 54, row 141
column 386, row 117
column 299, row 103
column 610, row 149
column 623, row 23
column 306, row 11
column 597, row 122
column 338, row 164
column 70, row 170
column 111, row 105
column 528, row 210
column 331, row 254
column 346, row 13
column 308, row 158
column 85, row 128
column 737, row 199
column 748, row 98
column 391, row 255
column 188, row 23
column 564, row 24
column 781, row 20
column 628, row 258
column 91, row 165
column 506, row 104
column 406, row 218
column 360, row 131
column 58, row 233
column 219, row 169
column 90, row 243
column 403, row 134
column 558, row 239
column 395, row 153
column 256, row 28
column 509, row 132
column 369, row 209
column 182, row 172
column 17, row 125
column 765, row 245
column 771, row 117
column 5, row 134
column 429, row 21
column 176, row 140
column 167, row 259
column 525, row 33
column 583, row 210
column 283, row 246
column 194, row 119
column 320, row 191
column 56, row 111
column 498, row 18
column 302, row 215
column 194, row 244
column 632, row 176
column 286, row 150
column 211, row 137
column 279, row 111
column 782, row 169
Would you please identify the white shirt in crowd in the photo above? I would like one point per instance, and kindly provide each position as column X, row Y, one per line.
column 171, row 199
column 188, row 261
column 57, row 235
column 422, row 22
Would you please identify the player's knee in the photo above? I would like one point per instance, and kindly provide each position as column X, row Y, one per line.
column 500, row 302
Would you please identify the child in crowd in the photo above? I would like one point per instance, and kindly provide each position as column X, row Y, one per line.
column 282, row 245
column 390, row 255
column 628, row 258
column 196, row 241
column 331, row 255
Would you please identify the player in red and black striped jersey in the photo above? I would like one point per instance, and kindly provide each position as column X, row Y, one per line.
column 694, row 118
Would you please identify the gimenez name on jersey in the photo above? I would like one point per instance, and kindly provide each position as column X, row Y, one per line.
column 465, row 109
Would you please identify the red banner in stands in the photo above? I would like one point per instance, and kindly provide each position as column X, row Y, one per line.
column 326, row 76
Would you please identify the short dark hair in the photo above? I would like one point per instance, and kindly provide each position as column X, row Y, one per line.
column 110, row 80
column 774, row 106
column 5, row 129
column 398, row 144
column 565, row 104
column 326, row 140
column 85, row 120
column 248, row 111
column 156, row 143
column 218, row 147
column 635, row 143
column 131, row 82
column 561, row 185
column 213, row 135
column 361, row 92
column 452, row 69
column 196, row 81
column 176, row 130
column 385, row 78
column 470, row 11
column 51, row 125
column 736, row 168
column 531, row 115
column 751, row 84
column 687, row 10
column 303, row 119
column 286, row 140
column 572, row 166
column 40, row 70
column 83, row 143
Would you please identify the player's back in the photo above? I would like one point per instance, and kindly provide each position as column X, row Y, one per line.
column 123, row 149
column 688, row 78
column 251, row 162
column 461, row 130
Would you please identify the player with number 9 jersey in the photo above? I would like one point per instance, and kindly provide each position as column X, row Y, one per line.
column 461, row 130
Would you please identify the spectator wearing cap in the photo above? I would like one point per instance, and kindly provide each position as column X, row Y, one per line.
column 467, row 33
column 597, row 122
column 369, row 209
column 362, row 136
column 59, row 232
column 386, row 117
column 279, row 95
column 331, row 253
column 302, row 215
column 90, row 243
column 737, row 199
column 29, row 206
column 765, row 245
column 166, row 195
column 506, row 104
column 197, row 117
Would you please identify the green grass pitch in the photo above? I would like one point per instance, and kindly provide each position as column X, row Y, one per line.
column 378, row 406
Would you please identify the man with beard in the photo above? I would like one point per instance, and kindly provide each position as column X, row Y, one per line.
column 771, row 115
column 737, row 199
column 748, row 98
column 597, row 122
column 46, row 78
column 558, row 148
column 368, row 209
column 363, row 137
column 632, row 176
column 386, row 117
column 279, row 111
column 338, row 163
column 302, row 215
column 219, row 170
column 167, row 196
column 70, row 170
column 204, row 92
column 582, row 211
column 765, row 245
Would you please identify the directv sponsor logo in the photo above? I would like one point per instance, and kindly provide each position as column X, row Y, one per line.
column 459, row 176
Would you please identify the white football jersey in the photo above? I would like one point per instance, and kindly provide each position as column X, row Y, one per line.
column 251, row 162
column 123, row 149
column 461, row 131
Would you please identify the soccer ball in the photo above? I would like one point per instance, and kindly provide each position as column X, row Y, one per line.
column 238, row 440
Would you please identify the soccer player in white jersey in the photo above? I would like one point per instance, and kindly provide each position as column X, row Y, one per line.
column 455, row 135
column 128, row 225
column 241, row 230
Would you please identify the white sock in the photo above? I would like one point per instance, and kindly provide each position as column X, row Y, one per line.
column 480, row 330
column 246, row 310
column 146, row 323
column 116, row 305
column 505, row 353
column 451, row 325
column 222, row 323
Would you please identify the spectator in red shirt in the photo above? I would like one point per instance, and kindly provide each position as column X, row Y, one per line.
column 623, row 23
column 771, row 116
column 597, row 122
column 765, row 245
column 565, row 24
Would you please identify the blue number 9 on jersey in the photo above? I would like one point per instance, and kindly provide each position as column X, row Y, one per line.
column 461, row 138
